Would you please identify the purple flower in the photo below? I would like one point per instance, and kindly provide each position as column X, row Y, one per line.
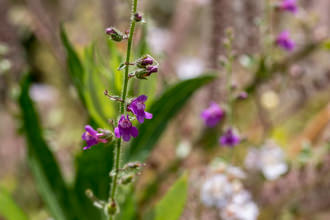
column 125, row 129
column 242, row 95
column 137, row 107
column 212, row 115
column 289, row 5
column 92, row 137
column 229, row 138
column 283, row 40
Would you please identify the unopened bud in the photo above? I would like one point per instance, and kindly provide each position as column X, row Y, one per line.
column 152, row 69
column 137, row 17
column 243, row 95
column 114, row 34
column 126, row 179
column 111, row 208
column 145, row 61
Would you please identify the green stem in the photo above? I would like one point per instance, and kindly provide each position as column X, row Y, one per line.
column 123, row 104
column 229, row 71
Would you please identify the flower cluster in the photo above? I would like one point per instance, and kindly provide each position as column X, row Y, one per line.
column 223, row 189
column 284, row 40
column 212, row 116
column 146, row 66
column 269, row 159
column 288, row 5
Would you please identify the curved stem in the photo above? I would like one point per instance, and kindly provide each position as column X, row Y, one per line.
column 123, row 104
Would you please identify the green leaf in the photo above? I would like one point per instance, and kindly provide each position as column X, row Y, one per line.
column 172, row 204
column 98, row 105
column 42, row 162
column 74, row 65
column 163, row 110
column 9, row 209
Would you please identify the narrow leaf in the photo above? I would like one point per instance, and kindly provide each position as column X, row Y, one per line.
column 9, row 209
column 172, row 204
column 42, row 162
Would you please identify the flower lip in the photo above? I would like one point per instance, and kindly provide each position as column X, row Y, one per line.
column 137, row 107
column 125, row 129
column 92, row 137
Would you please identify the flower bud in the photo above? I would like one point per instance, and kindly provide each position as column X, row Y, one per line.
column 141, row 74
column 137, row 17
column 126, row 179
column 114, row 34
column 243, row 95
column 152, row 69
column 145, row 61
column 111, row 208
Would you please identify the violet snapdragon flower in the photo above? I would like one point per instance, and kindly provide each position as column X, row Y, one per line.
column 230, row 138
column 289, row 5
column 125, row 129
column 283, row 40
column 137, row 107
column 212, row 115
column 92, row 137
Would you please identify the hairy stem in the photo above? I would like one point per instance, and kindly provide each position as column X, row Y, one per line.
column 123, row 103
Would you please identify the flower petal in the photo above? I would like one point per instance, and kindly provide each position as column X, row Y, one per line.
column 90, row 130
column 117, row 132
column 134, row 131
column 148, row 115
column 141, row 98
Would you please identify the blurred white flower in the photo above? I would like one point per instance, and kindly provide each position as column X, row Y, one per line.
column 190, row 67
column 273, row 161
column 252, row 161
column 42, row 93
column 270, row 160
column 240, row 211
column 183, row 149
column 158, row 39
column 216, row 191
column 235, row 172
column 241, row 197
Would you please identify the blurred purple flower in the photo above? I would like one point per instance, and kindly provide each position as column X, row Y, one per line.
column 289, row 5
column 125, row 129
column 229, row 138
column 92, row 137
column 212, row 115
column 137, row 107
column 283, row 40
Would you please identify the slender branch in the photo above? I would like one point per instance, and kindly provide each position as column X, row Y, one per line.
column 123, row 103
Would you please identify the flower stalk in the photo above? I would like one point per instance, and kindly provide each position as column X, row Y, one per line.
column 123, row 104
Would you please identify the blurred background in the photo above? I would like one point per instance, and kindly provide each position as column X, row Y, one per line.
column 291, row 106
